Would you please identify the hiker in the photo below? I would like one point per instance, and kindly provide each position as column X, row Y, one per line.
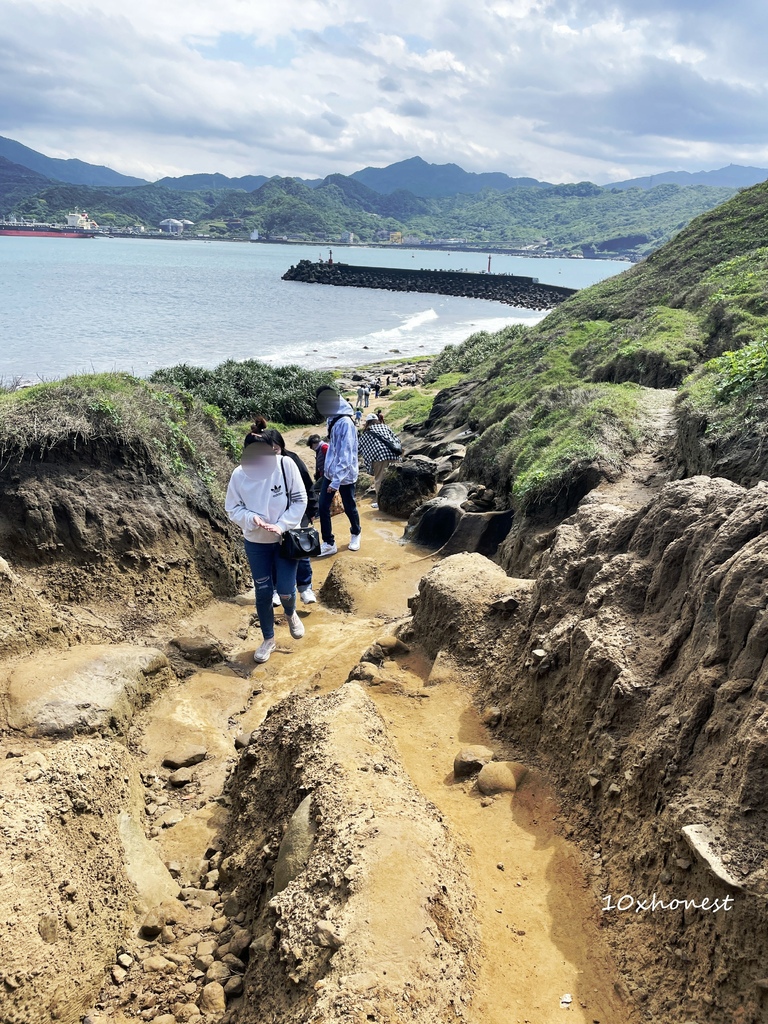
column 341, row 468
column 303, row 565
column 258, row 424
column 367, row 393
column 380, row 415
column 358, row 415
column 266, row 496
column 379, row 447
column 376, row 387
column 320, row 448
column 360, row 397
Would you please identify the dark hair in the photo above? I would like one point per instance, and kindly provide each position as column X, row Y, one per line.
column 256, row 437
column 326, row 387
column 314, row 439
column 274, row 437
column 259, row 423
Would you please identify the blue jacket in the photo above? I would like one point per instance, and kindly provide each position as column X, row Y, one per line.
column 341, row 465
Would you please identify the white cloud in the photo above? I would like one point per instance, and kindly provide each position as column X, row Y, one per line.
column 556, row 89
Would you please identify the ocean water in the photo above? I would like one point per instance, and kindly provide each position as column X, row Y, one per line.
column 92, row 305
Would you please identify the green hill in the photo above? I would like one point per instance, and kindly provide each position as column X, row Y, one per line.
column 17, row 183
column 560, row 404
column 145, row 204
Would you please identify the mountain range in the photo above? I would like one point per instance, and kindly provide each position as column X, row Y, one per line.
column 413, row 175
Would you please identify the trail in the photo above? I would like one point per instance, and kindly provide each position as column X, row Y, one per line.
column 538, row 919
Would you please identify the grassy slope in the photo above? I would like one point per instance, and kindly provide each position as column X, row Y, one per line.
column 565, row 394
column 171, row 433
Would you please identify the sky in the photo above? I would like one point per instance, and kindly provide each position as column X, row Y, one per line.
column 560, row 90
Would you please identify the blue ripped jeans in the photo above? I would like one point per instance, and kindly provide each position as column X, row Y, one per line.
column 264, row 560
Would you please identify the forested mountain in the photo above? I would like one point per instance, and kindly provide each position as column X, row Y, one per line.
column 75, row 171
column 18, row 183
column 732, row 176
column 425, row 179
column 196, row 182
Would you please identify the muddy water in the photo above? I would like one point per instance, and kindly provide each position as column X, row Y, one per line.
column 540, row 940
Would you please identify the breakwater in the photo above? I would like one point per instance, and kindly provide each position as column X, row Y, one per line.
column 523, row 292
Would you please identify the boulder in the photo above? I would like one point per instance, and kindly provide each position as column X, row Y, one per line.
column 471, row 760
column 202, row 650
column 84, row 690
column 406, row 485
column 348, row 576
column 296, row 847
column 500, row 777
column 212, row 999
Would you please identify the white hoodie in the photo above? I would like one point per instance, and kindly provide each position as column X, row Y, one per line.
column 266, row 499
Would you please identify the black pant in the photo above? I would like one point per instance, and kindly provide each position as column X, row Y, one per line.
column 347, row 492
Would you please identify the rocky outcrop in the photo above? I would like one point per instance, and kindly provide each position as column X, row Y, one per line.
column 523, row 292
column 356, row 924
column 445, row 523
column 83, row 690
column 406, row 485
column 97, row 524
column 634, row 668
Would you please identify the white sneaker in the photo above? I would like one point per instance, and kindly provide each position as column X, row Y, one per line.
column 308, row 596
column 354, row 542
column 262, row 653
column 295, row 625
column 374, row 505
column 327, row 549
column 276, row 599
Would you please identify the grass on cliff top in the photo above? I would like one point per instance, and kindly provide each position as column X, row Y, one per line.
column 172, row 433
column 553, row 398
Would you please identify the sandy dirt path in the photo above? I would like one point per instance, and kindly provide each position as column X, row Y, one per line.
column 540, row 939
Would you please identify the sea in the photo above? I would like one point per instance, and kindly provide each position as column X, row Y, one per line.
column 70, row 306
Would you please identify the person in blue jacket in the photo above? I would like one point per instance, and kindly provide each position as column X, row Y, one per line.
column 340, row 470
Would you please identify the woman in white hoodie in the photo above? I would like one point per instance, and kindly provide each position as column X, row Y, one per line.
column 265, row 497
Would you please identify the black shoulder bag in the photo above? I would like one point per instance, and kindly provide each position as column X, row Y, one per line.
column 301, row 541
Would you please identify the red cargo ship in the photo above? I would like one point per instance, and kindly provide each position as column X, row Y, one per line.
column 78, row 225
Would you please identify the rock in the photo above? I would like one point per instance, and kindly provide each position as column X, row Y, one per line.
column 708, row 845
column 124, row 960
column 470, row 760
column 170, row 817
column 185, row 757
column 158, row 965
column 240, row 941
column 444, row 670
column 152, row 925
column 242, row 739
column 207, row 947
column 406, row 485
column 491, row 717
column 326, row 934
column 119, row 974
column 201, row 650
column 296, row 846
column 233, row 987
column 48, row 927
column 501, row 777
column 263, row 943
column 218, row 971
column 212, row 998
column 181, row 777
column 84, row 690
column 347, row 578
column 165, row 1018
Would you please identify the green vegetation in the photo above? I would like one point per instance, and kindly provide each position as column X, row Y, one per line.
column 167, row 432
column 579, row 218
column 556, row 399
column 283, row 394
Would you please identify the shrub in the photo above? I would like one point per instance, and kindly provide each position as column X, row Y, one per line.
column 285, row 394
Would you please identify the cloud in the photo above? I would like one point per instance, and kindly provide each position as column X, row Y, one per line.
column 557, row 89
